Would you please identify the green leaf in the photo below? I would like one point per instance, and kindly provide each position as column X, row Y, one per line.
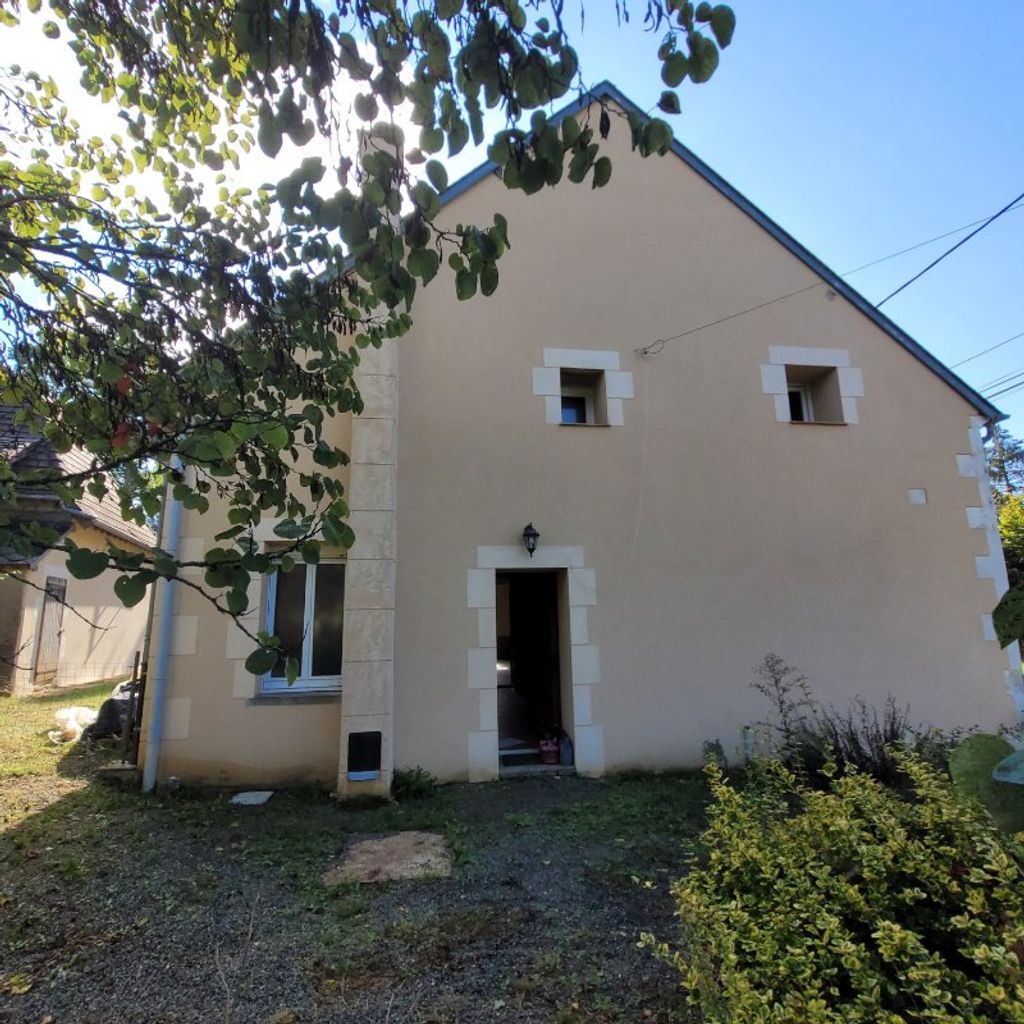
column 130, row 590
column 269, row 136
column 224, row 443
column 669, row 102
column 426, row 199
column 1008, row 616
column 261, row 661
column 431, row 140
column 164, row 566
column 703, row 59
column 437, row 174
column 465, row 284
column 674, row 69
column 276, row 436
column 289, row 529
column 657, row 136
column 602, row 172
column 237, row 601
column 570, row 131
column 501, row 225
column 365, row 106
column 84, row 564
column 489, row 279
column 424, row 264
column 723, row 24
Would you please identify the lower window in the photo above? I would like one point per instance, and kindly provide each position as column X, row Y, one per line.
column 305, row 611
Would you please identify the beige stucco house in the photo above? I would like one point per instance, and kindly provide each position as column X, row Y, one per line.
column 56, row 630
column 725, row 450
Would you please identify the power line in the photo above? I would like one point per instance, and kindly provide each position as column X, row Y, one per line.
column 1001, row 379
column 951, row 249
column 656, row 346
column 1006, row 391
column 991, row 348
column 928, row 241
column 993, row 389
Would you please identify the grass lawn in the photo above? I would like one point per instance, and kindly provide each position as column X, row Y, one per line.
column 119, row 908
column 24, row 723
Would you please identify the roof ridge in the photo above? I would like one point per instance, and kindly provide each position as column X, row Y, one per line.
column 608, row 90
column 101, row 513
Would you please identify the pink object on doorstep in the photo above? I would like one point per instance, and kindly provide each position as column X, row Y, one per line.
column 549, row 751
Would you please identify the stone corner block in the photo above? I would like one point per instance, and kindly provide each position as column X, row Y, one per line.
column 589, row 744
column 480, row 588
column 481, row 667
column 482, row 756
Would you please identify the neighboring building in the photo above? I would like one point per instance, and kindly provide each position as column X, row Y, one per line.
column 56, row 630
column 802, row 478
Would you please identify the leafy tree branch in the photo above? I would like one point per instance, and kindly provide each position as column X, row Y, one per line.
column 156, row 309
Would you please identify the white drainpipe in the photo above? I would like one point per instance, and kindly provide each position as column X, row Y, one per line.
column 171, row 528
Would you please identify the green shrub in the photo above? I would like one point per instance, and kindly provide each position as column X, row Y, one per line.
column 413, row 784
column 806, row 735
column 851, row 904
column 1011, row 532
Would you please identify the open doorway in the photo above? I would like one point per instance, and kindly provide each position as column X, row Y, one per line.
column 529, row 671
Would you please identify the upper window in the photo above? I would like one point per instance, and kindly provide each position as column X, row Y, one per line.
column 574, row 408
column 583, row 387
column 814, row 394
column 800, row 408
column 583, row 397
column 305, row 610
column 812, row 385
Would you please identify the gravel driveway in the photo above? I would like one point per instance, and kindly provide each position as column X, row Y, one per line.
column 116, row 908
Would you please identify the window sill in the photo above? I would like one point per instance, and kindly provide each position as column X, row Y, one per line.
column 818, row 423
column 584, row 424
column 295, row 697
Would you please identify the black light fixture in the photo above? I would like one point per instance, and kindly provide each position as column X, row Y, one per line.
column 530, row 536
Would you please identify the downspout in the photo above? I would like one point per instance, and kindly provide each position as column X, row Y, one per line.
column 147, row 637
column 171, row 528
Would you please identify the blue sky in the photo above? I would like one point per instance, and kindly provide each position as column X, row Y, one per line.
column 864, row 128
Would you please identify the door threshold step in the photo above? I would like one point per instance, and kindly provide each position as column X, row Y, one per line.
column 523, row 751
column 515, row 771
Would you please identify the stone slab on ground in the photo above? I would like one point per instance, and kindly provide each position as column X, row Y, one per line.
column 400, row 856
column 252, row 798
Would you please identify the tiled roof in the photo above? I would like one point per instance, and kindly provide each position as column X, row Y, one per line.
column 27, row 449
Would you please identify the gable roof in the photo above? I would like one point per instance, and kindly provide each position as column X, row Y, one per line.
column 607, row 91
column 27, row 449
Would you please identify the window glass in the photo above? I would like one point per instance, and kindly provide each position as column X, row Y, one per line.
column 328, row 609
column 796, row 406
column 289, row 612
column 574, row 409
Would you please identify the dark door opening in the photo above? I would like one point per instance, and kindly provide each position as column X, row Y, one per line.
column 529, row 691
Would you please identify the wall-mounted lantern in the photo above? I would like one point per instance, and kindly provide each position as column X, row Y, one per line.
column 530, row 536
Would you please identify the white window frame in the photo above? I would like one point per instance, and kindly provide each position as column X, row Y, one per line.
column 806, row 404
column 587, row 394
column 306, row 681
